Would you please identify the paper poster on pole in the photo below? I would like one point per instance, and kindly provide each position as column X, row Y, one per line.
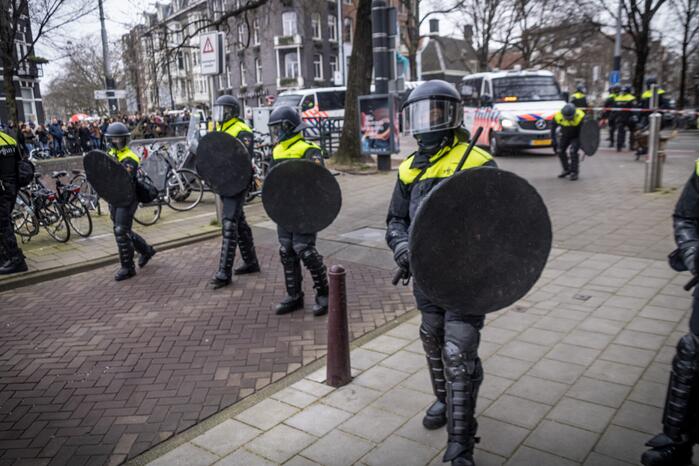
column 211, row 53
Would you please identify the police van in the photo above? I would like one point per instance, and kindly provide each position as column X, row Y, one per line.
column 514, row 107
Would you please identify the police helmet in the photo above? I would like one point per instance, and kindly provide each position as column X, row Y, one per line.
column 284, row 122
column 225, row 108
column 615, row 89
column 580, row 88
column 568, row 111
column 117, row 135
column 627, row 89
column 651, row 80
column 433, row 106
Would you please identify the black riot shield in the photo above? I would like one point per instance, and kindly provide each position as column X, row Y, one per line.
column 223, row 163
column 109, row 178
column 301, row 196
column 479, row 241
column 590, row 136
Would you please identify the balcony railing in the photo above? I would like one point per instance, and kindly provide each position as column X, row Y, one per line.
column 290, row 83
column 282, row 42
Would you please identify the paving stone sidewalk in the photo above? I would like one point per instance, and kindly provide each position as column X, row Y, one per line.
column 575, row 374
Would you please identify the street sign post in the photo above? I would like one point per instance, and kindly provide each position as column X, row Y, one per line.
column 211, row 53
column 106, row 94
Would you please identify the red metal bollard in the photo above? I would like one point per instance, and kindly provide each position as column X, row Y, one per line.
column 338, row 367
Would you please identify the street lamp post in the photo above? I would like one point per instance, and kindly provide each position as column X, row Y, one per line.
column 109, row 80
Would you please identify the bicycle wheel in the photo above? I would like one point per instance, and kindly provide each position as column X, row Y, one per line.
column 54, row 222
column 147, row 214
column 183, row 189
column 24, row 221
column 87, row 193
column 78, row 217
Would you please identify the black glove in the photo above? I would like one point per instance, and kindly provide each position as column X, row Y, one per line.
column 690, row 258
column 401, row 256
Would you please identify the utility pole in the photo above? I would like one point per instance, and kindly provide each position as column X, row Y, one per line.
column 109, row 80
column 617, row 57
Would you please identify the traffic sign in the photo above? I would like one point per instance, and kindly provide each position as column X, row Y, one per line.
column 614, row 76
column 106, row 94
column 211, row 52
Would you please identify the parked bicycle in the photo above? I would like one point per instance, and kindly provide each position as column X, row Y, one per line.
column 47, row 210
column 72, row 205
column 87, row 193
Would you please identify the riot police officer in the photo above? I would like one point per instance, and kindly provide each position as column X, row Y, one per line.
column 569, row 119
column 674, row 446
column 578, row 98
column 117, row 138
column 433, row 115
column 286, row 134
column 625, row 120
column 645, row 101
column 609, row 115
column 11, row 257
column 234, row 228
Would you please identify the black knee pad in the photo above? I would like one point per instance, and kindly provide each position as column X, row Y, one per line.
column 228, row 229
column 311, row 258
column 120, row 231
column 287, row 255
column 685, row 363
column 433, row 339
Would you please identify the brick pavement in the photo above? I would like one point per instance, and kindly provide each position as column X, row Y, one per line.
column 93, row 373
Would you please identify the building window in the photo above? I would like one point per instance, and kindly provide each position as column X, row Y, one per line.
column 241, row 35
column 318, row 66
column 289, row 23
column 228, row 77
column 28, row 104
column 261, row 101
column 180, row 61
column 332, row 28
column 242, row 67
column 333, row 63
column 347, row 30
column 316, row 25
column 256, row 31
column 291, row 65
column 258, row 70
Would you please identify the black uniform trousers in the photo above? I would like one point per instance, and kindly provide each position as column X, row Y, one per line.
column 123, row 220
column 235, row 230
column 295, row 241
column 567, row 150
column 622, row 123
column 8, row 242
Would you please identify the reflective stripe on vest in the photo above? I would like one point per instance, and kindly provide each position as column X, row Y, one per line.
column 624, row 98
column 575, row 121
column 647, row 94
column 578, row 95
column 233, row 127
column 445, row 163
column 7, row 140
column 293, row 148
column 125, row 153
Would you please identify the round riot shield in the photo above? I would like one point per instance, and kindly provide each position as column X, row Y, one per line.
column 479, row 241
column 590, row 136
column 109, row 178
column 301, row 196
column 224, row 164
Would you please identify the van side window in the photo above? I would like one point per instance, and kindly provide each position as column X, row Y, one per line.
column 330, row 100
column 307, row 103
column 471, row 91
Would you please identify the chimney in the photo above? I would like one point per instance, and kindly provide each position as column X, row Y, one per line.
column 434, row 27
column 468, row 34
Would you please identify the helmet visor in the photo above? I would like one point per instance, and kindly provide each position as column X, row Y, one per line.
column 220, row 113
column 276, row 132
column 118, row 142
column 431, row 115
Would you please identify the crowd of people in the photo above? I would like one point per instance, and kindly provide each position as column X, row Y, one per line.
column 58, row 138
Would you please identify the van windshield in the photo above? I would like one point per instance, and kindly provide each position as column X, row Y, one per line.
column 290, row 99
column 525, row 89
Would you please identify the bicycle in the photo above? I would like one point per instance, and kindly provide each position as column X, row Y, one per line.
column 76, row 212
column 182, row 188
column 47, row 210
column 24, row 221
column 87, row 193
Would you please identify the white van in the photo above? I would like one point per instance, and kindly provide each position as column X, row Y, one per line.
column 515, row 108
column 320, row 102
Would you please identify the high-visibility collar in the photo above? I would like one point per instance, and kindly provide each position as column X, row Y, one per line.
column 444, row 163
column 624, row 97
column 233, row 127
column 647, row 94
column 575, row 121
column 292, row 148
column 124, row 153
column 7, row 140
column 578, row 95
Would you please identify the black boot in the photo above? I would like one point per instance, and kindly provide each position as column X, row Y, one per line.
column 146, row 256
column 464, row 375
column 314, row 264
column 675, row 445
column 247, row 247
column 564, row 164
column 125, row 248
column 15, row 265
column 435, row 417
column 145, row 250
column 292, row 280
column 228, row 254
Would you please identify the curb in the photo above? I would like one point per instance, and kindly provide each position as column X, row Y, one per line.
column 231, row 411
column 32, row 278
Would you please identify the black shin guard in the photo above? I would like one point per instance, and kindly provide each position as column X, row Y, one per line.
column 228, row 251
column 247, row 247
column 435, row 416
column 313, row 261
column 125, row 247
column 675, row 445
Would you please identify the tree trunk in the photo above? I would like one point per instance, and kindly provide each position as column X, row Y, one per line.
column 684, row 71
column 10, row 91
column 642, row 53
column 359, row 81
column 413, row 64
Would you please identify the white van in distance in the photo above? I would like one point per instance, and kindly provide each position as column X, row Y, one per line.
column 515, row 108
